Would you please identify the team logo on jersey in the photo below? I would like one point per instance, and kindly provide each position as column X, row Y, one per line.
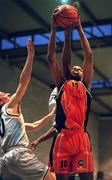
column 80, row 162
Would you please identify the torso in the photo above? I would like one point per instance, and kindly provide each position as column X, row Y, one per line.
column 73, row 104
column 15, row 133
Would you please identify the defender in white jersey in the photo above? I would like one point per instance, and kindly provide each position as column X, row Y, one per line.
column 18, row 158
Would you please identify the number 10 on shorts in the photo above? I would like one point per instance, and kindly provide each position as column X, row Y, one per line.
column 63, row 163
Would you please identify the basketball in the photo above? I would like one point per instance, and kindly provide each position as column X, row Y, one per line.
column 65, row 15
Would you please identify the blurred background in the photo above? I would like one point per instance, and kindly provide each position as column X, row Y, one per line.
column 24, row 19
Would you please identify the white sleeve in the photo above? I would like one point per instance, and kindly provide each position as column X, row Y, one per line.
column 52, row 101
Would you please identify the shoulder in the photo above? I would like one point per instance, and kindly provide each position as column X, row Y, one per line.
column 54, row 92
column 87, row 90
column 4, row 108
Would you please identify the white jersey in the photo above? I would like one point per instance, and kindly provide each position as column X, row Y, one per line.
column 17, row 157
column 52, row 101
column 15, row 133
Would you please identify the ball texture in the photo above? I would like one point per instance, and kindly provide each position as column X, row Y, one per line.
column 65, row 15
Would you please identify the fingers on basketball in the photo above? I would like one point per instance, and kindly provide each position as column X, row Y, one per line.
column 65, row 16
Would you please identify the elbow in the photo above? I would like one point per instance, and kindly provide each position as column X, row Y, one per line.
column 89, row 55
column 49, row 58
column 50, row 55
column 34, row 128
column 23, row 82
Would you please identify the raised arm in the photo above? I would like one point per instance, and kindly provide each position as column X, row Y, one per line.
column 40, row 123
column 53, row 64
column 24, row 78
column 88, row 57
column 66, row 53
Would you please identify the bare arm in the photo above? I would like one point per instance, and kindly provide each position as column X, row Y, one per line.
column 88, row 57
column 50, row 133
column 53, row 64
column 24, row 78
column 40, row 123
column 66, row 54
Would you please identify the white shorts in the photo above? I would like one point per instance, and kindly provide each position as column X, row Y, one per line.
column 23, row 162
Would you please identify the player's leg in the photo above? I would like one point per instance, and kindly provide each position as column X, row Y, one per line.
column 24, row 163
column 62, row 155
column 62, row 168
column 50, row 176
column 62, row 177
column 83, row 165
column 86, row 176
column 83, row 161
column 71, row 176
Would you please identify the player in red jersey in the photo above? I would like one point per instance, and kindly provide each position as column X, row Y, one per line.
column 71, row 151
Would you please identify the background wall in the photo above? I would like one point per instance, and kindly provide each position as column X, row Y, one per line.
column 94, row 136
column 105, row 148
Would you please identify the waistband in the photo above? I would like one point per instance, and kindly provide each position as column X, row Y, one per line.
column 72, row 131
column 16, row 147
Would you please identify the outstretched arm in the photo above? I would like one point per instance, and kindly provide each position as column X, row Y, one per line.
column 88, row 57
column 24, row 78
column 50, row 133
column 40, row 123
column 53, row 64
column 66, row 54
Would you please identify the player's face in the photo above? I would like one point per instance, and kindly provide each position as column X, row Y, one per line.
column 4, row 98
column 76, row 73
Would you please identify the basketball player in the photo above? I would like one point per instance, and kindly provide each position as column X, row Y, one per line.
column 52, row 132
column 72, row 152
column 14, row 141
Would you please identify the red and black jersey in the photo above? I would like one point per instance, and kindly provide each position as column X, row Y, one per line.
column 73, row 104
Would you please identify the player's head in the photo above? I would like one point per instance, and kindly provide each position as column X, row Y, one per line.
column 76, row 73
column 4, row 98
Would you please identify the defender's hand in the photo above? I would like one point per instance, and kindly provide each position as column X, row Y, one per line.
column 34, row 144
